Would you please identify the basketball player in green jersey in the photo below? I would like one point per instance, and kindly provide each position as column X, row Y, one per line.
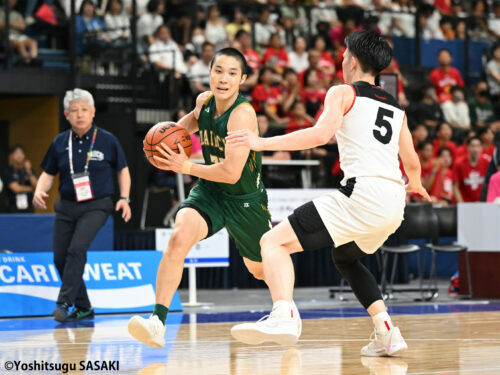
column 229, row 193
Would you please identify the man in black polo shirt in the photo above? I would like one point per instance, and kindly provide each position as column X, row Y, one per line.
column 84, row 157
column 20, row 180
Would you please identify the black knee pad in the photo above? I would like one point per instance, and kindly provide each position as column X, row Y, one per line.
column 346, row 254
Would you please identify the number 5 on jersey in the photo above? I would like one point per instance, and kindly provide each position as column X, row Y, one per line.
column 383, row 136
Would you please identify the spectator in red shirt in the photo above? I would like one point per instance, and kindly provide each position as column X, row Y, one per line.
column 299, row 119
column 487, row 137
column 252, row 57
column 441, row 179
column 444, row 133
column 267, row 98
column 425, row 152
column 313, row 94
column 290, row 89
column 468, row 173
column 446, row 76
column 326, row 62
column 461, row 151
column 338, row 34
column 419, row 133
column 314, row 58
column 276, row 52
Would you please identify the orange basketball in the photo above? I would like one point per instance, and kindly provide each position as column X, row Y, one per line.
column 168, row 133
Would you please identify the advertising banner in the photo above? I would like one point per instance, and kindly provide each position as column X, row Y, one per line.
column 117, row 282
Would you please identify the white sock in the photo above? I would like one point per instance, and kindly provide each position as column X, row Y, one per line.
column 382, row 322
column 283, row 307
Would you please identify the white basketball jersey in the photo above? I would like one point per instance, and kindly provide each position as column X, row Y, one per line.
column 369, row 136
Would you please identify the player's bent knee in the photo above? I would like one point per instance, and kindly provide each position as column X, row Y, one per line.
column 266, row 240
column 256, row 269
column 179, row 244
column 258, row 274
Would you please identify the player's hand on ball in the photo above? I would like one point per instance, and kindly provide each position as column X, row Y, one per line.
column 245, row 138
column 171, row 160
column 420, row 190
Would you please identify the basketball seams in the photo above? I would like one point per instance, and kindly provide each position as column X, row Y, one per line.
column 167, row 135
column 150, row 143
column 152, row 136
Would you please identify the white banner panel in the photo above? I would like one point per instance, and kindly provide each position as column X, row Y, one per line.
column 212, row 252
column 282, row 202
column 479, row 226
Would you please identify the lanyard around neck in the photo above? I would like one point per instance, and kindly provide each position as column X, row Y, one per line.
column 70, row 151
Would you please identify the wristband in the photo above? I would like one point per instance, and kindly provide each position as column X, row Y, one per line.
column 125, row 199
column 186, row 167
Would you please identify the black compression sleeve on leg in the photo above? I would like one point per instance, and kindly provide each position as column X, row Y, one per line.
column 363, row 284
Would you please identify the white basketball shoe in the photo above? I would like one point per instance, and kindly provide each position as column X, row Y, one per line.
column 148, row 331
column 390, row 344
column 282, row 326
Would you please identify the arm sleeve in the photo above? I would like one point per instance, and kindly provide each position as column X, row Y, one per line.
column 7, row 176
column 120, row 161
column 49, row 162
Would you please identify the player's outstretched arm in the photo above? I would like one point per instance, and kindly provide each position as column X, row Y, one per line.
column 190, row 121
column 411, row 162
column 337, row 102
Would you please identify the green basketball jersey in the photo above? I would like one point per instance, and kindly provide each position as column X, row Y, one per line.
column 213, row 132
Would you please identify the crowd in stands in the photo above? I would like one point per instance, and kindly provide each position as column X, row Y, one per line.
column 294, row 51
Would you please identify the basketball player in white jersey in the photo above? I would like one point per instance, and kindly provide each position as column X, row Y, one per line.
column 371, row 131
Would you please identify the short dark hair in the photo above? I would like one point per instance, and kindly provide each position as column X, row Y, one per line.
column 288, row 71
column 444, row 50
column 232, row 52
column 372, row 51
column 456, row 88
column 241, row 32
column 16, row 147
column 469, row 141
column 482, row 130
column 306, row 75
column 206, row 44
column 421, row 145
column 440, row 125
column 263, row 70
column 152, row 6
column 161, row 27
column 82, row 5
column 418, row 125
column 495, row 47
column 445, row 19
column 443, row 149
column 110, row 2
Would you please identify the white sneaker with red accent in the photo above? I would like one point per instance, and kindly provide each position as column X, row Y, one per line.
column 390, row 344
column 280, row 327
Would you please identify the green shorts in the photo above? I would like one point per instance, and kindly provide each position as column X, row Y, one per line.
column 245, row 217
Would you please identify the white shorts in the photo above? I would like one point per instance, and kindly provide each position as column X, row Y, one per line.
column 372, row 212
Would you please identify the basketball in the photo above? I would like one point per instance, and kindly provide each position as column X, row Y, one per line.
column 168, row 133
